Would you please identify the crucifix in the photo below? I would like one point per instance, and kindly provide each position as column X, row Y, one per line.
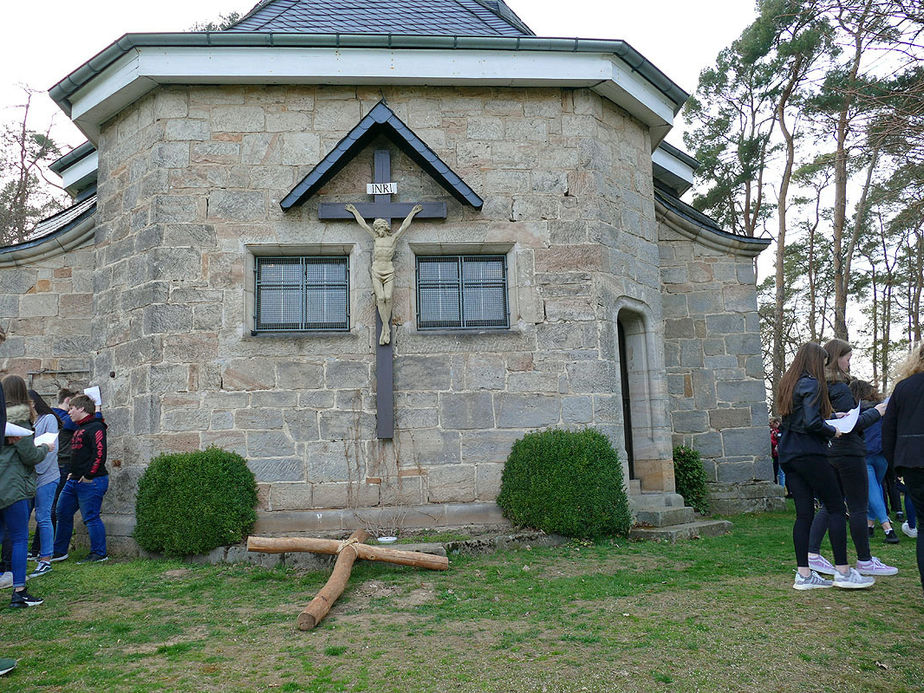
column 347, row 552
column 383, row 211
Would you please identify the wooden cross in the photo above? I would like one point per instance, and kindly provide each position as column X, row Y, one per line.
column 347, row 552
column 382, row 207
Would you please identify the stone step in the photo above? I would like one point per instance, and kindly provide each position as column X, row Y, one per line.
column 665, row 517
column 655, row 501
column 682, row 532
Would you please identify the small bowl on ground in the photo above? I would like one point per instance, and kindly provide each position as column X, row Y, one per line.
column 387, row 540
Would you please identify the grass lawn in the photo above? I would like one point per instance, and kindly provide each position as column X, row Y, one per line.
column 714, row 614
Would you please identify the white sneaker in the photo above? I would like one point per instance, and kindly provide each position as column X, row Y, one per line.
column 875, row 567
column 821, row 565
column 6, row 580
column 853, row 580
column 811, row 582
column 909, row 530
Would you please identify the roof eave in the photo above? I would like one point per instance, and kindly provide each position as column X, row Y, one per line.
column 83, row 79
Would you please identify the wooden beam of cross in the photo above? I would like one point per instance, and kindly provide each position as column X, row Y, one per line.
column 383, row 208
column 347, row 552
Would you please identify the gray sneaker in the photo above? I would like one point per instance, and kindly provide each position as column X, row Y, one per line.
column 853, row 580
column 875, row 567
column 812, row 582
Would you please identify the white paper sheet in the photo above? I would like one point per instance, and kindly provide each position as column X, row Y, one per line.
column 846, row 424
column 93, row 393
column 15, row 431
column 46, row 439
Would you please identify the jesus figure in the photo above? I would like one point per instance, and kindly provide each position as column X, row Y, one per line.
column 383, row 268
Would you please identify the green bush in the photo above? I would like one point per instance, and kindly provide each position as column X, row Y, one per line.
column 190, row 503
column 566, row 482
column 690, row 478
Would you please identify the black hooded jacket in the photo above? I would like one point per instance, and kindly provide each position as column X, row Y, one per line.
column 849, row 444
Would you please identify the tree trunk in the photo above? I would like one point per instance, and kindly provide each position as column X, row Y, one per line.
column 318, row 608
column 363, row 551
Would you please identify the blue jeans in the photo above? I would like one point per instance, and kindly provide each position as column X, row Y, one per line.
column 15, row 517
column 44, row 502
column 88, row 496
column 876, row 466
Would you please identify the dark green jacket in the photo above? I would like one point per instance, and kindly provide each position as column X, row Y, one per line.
column 17, row 470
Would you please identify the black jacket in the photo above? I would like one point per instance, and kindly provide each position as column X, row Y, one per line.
column 849, row 444
column 88, row 449
column 803, row 432
column 903, row 424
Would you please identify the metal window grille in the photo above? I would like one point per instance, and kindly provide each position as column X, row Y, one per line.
column 462, row 291
column 296, row 294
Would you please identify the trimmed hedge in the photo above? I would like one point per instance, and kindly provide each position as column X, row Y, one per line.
column 190, row 503
column 690, row 478
column 566, row 482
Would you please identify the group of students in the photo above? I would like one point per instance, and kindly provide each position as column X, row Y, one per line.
column 54, row 480
column 820, row 462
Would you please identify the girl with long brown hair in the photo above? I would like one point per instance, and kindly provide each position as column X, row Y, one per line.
column 802, row 401
column 847, row 456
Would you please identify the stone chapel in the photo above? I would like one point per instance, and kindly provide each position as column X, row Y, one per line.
column 209, row 278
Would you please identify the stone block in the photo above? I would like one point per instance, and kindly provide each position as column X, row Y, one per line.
column 430, row 447
column 748, row 344
column 488, row 481
column 258, row 419
column 346, row 425
column 690, row 421
column 451, row 484
column 39, row 305
column 708, row 444
column 740, row 299
column 526, row 411
column 170, row 155
column 490, row 446
column 332, row 461
column 166, row 318
column 301, row 148
column 236, row 205
column 269, row 444
column 592, row 376
column 175, row 209
column 340, row 374
column 186, row 129
column 279, row 469
column 237, row 119
column 298, row 375
column 681, row 328
column 740, row 391
column 248, row 374
column 577, row 410
column 729, row 418
column 302, row 424
column 185, row 419
column 292, row 496
column 746, row 441
column 460, row 411
column 422, row 373
column 735, row 472
column 725, row 323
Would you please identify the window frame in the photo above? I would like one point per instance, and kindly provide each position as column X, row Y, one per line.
column 460, row 283
column 304, row 288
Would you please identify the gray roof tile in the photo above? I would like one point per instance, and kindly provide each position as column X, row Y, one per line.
column 403, row 17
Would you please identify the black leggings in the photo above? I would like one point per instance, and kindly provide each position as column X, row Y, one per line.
column 808, row 478
column 914, row 487
column 854, row 484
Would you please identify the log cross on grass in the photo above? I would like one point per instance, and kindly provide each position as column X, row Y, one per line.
column 347, row 552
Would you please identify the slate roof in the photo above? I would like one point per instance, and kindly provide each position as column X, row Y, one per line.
column 667, row 198
column 403, row 17
column 381, row 120
column 57, row 224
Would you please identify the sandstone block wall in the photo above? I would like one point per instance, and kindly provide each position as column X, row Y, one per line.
column 189, row 184
column 713, row 358
column 46, row 310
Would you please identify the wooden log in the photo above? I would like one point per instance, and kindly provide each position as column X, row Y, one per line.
column 332, row 546
column 318, row 608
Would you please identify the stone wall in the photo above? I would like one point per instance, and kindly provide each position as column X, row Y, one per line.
column 189, row 184
column 46, row 309
column 715, row 370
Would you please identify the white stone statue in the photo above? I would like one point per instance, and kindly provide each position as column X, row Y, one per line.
column 383, row 269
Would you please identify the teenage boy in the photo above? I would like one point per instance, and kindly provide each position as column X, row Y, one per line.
column 86, row 483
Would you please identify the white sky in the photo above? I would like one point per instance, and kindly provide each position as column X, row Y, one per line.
column 42, row 42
